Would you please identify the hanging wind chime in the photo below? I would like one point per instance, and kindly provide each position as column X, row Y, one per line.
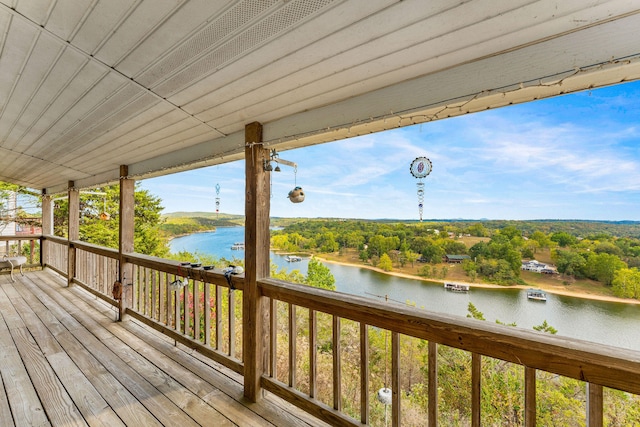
column 297, row 194
column 420, row 168
column 217, row 198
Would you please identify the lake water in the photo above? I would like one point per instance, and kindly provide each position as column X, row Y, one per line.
column 609, row 323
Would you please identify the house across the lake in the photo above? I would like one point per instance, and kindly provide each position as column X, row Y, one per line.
column 455, row 259
column 538, row 267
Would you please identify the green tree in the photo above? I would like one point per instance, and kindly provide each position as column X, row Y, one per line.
column 385, row 263
column 569, row 262
column 542, row 239
column 478, row 230
column 93, row 229
column 563, row 239
column 602, row 267
column 433, row 253
column 319, row 276
column 626, row 283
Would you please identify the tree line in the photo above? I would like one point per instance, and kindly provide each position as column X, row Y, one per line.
column 609, row 254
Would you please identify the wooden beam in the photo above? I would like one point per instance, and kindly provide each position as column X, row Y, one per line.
column 255, row 307
column 73, row 230
column 126, row 219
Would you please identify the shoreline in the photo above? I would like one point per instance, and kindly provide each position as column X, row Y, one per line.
column 563, row 292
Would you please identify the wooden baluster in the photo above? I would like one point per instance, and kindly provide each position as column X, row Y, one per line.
column 293, row 335
column 313, row 359
column 273, row 338
column 529, row 397
column 167, row 300
column 207, row 313
column 337, row 371
column 396, row 407
column 364, row 374
column 432, row 409
column 176, row 305
column 154, row 295
column 476, row 378
column 148, row 293
column 196, row 310
column 187, row 310
column 232, row 323
column 594, row 405
column 218, row 318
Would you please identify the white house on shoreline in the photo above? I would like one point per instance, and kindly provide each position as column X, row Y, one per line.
column 538, row 267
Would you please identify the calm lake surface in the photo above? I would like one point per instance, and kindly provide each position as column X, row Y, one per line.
column 598, row 321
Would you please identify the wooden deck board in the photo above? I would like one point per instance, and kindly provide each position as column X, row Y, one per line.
column 66, row 362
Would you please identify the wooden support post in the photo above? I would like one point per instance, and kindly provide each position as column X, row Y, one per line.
column 47, row 226
column 73, row 230
column 255, row 313
column 126, row 230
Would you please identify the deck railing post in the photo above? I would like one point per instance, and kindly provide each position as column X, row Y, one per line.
column 47, row 225
column 255, row 312
column 73, row 230
column 126, row 234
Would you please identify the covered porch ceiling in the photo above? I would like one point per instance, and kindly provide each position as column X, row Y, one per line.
column 169, row 85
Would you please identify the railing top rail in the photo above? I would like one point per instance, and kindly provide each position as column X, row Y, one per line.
column 55, row 239
column 215, row 276
column 595, row 363
column 96, row 249
column 21, row 237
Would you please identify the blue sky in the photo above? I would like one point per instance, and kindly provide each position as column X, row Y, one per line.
column 570, row 157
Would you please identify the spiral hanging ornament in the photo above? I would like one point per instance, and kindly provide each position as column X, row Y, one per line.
column 420, row 168
column 217, row 198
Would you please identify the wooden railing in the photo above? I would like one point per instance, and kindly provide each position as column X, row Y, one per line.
column 55, row 253
column 205, row 315
column 27, row 245
column 597, row 365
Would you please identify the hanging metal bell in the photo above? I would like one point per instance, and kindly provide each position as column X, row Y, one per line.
column 296, row 195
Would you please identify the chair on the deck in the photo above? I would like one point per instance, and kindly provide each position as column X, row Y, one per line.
column 11, row 262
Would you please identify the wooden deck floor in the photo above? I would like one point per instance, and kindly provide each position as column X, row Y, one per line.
column 65, row 362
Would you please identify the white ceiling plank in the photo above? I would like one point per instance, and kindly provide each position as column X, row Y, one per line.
column 385, row 56
column 66, row 66
column 67, row 16
column 60, row 114
column 83, row 82
column 103, row 21
column 36, row 10
column 143, row 21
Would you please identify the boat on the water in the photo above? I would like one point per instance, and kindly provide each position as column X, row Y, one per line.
column 293, row 258
column 536, row 295
column 238, row 246
column 456, row 287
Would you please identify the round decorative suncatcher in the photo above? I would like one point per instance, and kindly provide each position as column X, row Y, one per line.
column 420, row 168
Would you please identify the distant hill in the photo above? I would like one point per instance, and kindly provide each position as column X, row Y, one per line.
column 179, row 223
